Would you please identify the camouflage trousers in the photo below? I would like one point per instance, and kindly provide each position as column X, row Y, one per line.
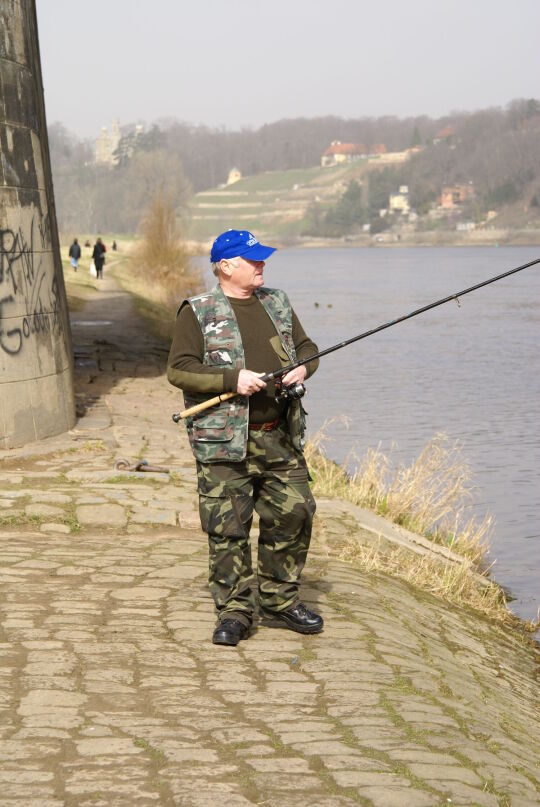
column 273, row 480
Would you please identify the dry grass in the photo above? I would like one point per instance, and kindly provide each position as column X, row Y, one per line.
column 452, row 582
column 161, row 257
column 431, row 497
column 159, row 272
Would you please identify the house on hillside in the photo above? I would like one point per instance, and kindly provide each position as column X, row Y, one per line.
column 399, row 202
column 235, row 175
column 452, row 196
column 338, row 152
column 444, row 136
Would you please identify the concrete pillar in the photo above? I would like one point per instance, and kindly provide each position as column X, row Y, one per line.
column 36, row 371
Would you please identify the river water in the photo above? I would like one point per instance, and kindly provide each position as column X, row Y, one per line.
column 471, row 371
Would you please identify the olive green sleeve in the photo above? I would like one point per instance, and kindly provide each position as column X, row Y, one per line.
column 303, row 345
column 185, row 366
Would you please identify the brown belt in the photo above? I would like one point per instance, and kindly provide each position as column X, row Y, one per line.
column 265, row 427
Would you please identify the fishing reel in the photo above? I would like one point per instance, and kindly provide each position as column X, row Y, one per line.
column 291, row 393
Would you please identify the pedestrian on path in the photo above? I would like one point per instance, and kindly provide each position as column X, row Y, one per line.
column 75, row 254
column 98, row 256
column 248, row 449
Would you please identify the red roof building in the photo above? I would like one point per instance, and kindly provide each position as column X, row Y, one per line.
column 453, row 196
column 338, row 152
column 445, row 134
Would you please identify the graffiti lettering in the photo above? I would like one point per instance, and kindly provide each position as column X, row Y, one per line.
column 7, row 343
column 45, row 231
column 23, row 272
column 9, row 255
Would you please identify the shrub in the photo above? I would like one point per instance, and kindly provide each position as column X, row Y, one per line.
column 430, row 496
column 162, row 257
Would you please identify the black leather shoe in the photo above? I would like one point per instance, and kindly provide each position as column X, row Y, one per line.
column 298, row 618
column 230, row 631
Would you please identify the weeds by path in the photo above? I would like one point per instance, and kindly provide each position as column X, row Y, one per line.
column 160, row 273
column 431, row 497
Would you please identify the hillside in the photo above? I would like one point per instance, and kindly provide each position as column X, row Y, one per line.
column 279, row 206
column 273, row 203
column 488, row 161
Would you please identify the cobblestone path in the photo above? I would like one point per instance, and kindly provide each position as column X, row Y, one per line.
column 110, row 689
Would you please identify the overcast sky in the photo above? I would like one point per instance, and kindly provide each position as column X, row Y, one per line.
column 240, row 63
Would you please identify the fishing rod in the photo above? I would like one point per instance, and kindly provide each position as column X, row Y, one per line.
column 297, row 393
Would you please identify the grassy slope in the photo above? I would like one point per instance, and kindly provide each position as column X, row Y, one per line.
column 273, row 203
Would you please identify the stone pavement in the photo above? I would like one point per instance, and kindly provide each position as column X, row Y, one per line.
column 112, row 693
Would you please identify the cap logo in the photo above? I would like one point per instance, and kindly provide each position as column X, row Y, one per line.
column 237, row 243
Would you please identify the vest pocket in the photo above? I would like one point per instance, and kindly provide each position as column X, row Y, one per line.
column 221, row 356
column 212, row 428
column 284, row 358
column 220, row 352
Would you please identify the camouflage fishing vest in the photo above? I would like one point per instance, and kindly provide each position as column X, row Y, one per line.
column 221, row 432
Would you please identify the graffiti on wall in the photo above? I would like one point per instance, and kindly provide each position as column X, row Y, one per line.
column 29, row 303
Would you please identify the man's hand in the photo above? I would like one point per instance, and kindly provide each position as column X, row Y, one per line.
column 295, row 376
column 249, row 382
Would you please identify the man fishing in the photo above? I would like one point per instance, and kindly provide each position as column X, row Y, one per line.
column 248, row 447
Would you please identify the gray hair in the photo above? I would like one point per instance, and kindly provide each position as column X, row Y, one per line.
column 216, row 265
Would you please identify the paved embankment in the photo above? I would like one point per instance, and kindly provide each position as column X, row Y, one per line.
column 112, row 693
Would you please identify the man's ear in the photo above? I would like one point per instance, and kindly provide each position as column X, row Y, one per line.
column 224, row 267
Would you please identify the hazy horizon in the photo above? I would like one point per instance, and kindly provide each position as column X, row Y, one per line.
column 239, row 65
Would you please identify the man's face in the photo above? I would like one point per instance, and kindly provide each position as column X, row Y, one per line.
column 246, row 275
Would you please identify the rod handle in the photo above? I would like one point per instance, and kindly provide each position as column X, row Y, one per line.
column 193, row 410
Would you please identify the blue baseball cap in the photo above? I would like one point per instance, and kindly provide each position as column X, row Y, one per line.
column 239, row 244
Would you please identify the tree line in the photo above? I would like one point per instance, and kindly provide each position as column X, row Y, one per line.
column 498, row 149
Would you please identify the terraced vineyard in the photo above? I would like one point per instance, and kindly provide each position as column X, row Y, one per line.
column 272, row 204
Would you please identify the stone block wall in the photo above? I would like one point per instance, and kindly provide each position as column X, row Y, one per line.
column 36, row 374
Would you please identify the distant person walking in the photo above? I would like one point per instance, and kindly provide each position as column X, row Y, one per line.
column 98, row 256
column 75, row 254
column 114, row 246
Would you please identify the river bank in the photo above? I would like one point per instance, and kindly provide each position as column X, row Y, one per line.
column 485, row 237
column 115, row 693
column 491, row 236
